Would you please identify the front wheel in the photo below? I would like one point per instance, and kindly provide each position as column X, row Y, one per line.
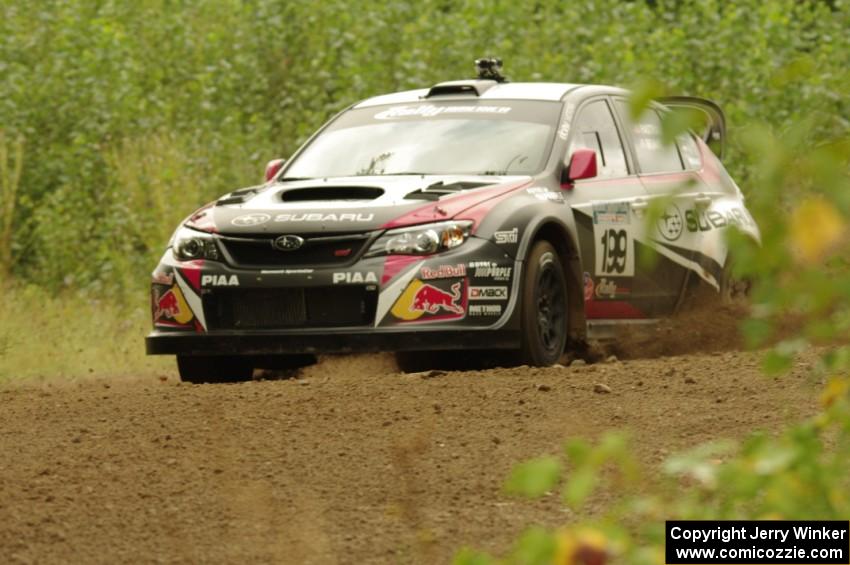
column 544, row 307
column 214, row 369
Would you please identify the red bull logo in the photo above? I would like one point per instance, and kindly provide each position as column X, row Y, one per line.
column 432, row 299
column 171, row 305
column 422, row 299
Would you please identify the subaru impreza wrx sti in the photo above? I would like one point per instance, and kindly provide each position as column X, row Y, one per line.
column 474, row 214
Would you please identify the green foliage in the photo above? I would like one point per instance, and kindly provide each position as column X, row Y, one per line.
column 169, row 104
column 73, row 335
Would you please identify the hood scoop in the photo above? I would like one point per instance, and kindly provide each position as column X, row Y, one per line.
column 239, row 196
column 325, row 193
column 439, row 189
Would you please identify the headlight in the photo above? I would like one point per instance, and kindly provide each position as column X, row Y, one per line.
column 188, row 244
column 421, row 240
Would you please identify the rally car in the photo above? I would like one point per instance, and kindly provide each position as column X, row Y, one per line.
column 474, row 214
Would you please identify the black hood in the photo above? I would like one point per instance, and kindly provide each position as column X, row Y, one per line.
column 338, row 205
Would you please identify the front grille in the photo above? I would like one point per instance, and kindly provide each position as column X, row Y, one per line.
column 315, row 251
column 281, row 308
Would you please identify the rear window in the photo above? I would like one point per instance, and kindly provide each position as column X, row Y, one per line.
column 653, row 155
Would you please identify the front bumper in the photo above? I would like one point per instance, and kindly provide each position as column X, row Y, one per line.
column 461, row 299
column 279, row 343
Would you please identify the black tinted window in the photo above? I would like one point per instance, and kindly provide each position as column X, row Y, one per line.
column 653, row 156
column 595, row 129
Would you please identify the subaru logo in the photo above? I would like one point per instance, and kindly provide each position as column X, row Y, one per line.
column 288, row 243
column 250, row 220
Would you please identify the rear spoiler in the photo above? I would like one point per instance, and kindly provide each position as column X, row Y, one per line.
column 714, row 131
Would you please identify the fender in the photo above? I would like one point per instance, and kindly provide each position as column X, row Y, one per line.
column 517, row 222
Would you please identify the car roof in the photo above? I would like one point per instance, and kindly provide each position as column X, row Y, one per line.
column 491, row 90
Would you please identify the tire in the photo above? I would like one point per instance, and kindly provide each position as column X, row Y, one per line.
column 544, row 313
column 199, row 369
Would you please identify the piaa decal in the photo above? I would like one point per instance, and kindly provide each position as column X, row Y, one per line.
column 355, row 277
column 219, row 280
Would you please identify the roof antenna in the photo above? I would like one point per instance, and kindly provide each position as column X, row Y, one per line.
column 490, row 68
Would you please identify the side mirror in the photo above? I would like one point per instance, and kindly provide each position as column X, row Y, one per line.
column 273, row 167
column 582, row 166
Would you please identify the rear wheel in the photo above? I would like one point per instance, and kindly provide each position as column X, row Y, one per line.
column 733, row 290
column 544, row 307
column 214, row 369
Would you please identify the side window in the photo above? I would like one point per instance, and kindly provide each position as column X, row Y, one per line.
column 652, row 155
column 689, row 150
column 595, row 129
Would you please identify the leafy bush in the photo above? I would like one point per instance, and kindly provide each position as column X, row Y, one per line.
column 103, row 93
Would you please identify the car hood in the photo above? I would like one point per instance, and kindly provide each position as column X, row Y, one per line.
column 353, row 204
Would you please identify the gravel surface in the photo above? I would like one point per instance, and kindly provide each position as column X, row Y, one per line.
column 348, row 461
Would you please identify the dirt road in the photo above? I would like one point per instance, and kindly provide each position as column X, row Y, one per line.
column 351, row 462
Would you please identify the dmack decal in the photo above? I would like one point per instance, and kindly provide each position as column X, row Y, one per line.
column 420, row 299
column 219, row 280
column 488, row 293
column 355, row 277
column 171, row 305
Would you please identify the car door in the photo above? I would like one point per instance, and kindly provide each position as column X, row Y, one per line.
column 719, row 203
column 608, row 213
column 679, row 197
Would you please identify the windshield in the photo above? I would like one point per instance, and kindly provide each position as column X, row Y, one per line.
column 491, row 137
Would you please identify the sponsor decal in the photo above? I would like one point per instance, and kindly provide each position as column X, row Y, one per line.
column 286, row 271
column 443, row 272
column 163, row 278
column 430, row 110
column 588, row 287
column 250, row 219
column 485, row 310
column 564, row 128
column 714, row 219
column 492, row 271
column 421, row 299
column 616, row 213
column 543, row 193
column 607, row 288
column 670, row 223
column 219, row 280
column 488, row 293
column 505, row 237
column 288, row 242
column 352, row 277
column 171, row 305
column 320, row 217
